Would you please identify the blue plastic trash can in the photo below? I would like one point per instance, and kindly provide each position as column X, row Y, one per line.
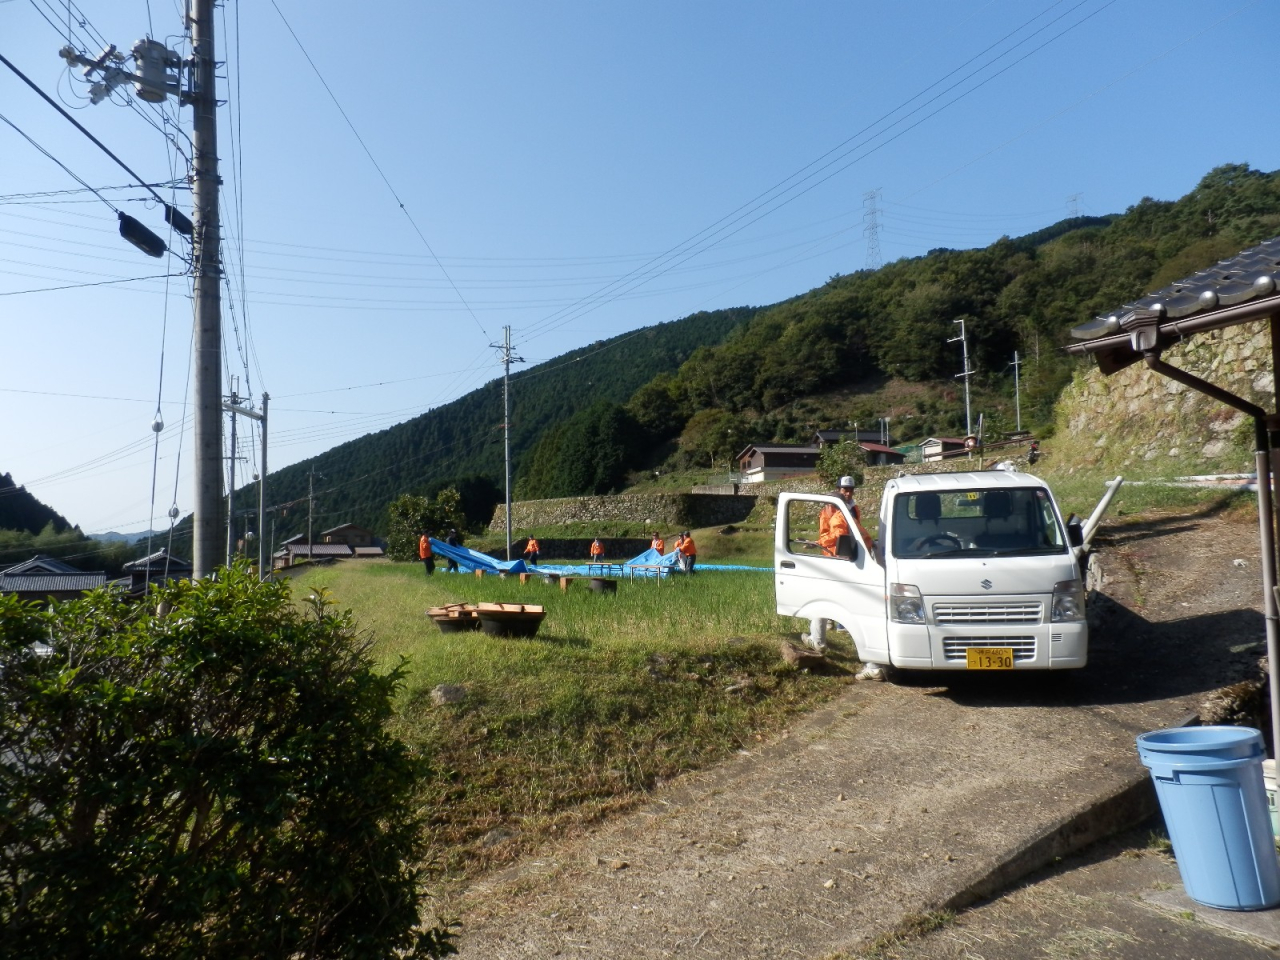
column 1209, row 784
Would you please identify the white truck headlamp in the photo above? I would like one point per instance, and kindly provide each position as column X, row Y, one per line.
column 1068, row 601
column 905, row 604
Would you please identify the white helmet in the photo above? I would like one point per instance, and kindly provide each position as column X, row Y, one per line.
column 848, row 482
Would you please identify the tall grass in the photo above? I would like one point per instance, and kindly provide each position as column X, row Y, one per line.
column 615, row 694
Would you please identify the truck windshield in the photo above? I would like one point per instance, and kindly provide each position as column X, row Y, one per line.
column 1017, row 521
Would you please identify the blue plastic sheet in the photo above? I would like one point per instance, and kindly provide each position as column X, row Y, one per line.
column 639, row 566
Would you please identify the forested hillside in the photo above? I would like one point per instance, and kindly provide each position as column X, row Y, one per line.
column 716, row 381
column 460, row 443
column 894, row 323
column 19, row 510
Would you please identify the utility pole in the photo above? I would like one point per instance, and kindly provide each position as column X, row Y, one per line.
column 507, row 360
column 234, row 408
column 231, row 480
column 207, row 274
column 964, row 345
column 154, row 80
column 1017, row 395
column 311, row 506
column 263, row 555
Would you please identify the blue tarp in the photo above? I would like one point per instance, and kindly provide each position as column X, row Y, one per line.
column 472, row 560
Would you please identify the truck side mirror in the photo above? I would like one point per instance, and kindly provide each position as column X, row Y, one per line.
column 846, row 547
column 1075, row 531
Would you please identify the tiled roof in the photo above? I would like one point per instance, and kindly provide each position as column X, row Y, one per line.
column 158, row 561
column 1249, row 275
column 344, row 526
column 780, row 448
column 51, row 582
column 40, row 564
column 320, row 549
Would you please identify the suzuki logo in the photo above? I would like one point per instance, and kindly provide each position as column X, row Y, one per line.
column 986, row 584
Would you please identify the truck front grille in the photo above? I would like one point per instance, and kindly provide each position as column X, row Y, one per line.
column 1024, row 648
column 1025, row 612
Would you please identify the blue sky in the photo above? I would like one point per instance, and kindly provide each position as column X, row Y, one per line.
column 549, row 156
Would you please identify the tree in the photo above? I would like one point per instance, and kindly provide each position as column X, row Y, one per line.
column 843, row 459
column 410, row 516
column 210, row 776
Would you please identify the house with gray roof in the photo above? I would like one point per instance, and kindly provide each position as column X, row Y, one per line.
column 44, row 578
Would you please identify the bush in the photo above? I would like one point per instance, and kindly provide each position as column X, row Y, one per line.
column 211, row 775
column 411, row 516
column 843, row 459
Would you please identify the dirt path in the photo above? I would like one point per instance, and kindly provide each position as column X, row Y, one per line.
column 894, row 799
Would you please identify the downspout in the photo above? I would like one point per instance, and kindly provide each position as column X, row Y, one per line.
column 1266, row 530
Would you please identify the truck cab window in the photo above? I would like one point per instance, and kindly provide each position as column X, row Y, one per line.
column 982, row 522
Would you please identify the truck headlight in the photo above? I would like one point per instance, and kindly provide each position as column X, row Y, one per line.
column 1068, row 601
column 905, row 604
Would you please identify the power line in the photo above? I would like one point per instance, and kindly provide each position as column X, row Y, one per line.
column 369, row 154
column 96, row 283
column 79, row 126
column 777, row 195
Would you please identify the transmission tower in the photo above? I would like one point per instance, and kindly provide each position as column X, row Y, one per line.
column 1073, row 205
column 871, row 227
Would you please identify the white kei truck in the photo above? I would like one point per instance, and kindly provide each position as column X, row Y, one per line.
column 979, row 572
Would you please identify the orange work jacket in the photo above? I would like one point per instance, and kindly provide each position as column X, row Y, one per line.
column 597, row 549
column 658, row 544
column 832, row 525
column 532, row 546
column 424, row 547
column 688, row 548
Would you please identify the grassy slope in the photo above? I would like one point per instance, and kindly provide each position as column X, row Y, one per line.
column 614, row 695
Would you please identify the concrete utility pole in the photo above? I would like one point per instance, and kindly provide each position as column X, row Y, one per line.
column 311, row 506
column 234, row 408
column 964, row 345
column 207, row 273
column 231, row 480
column 507, row 360
column 1017, row 394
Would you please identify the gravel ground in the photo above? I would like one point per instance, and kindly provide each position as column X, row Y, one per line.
column 898, row 798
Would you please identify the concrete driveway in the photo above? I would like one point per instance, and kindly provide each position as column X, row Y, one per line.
column 896, row 800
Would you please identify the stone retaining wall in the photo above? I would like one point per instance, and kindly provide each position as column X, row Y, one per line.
column 1137, row 418
column 657, row 510
column 616, row 549
column 672, row 512
column 870, row 492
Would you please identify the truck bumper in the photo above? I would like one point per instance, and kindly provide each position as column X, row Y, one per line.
column 1051, row 646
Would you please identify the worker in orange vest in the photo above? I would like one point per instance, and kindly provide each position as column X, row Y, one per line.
column 832, row 524
column 531, row 551
column 658, row 544
column 597, row 551
column 688, row 551
column 425, row 555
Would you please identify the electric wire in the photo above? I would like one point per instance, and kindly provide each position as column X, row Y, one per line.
column 786, row 191
column 67, row 170
column 79, row 126
column 369, row 154
column 95, row 283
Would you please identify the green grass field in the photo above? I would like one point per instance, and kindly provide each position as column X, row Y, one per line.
column 616, row 693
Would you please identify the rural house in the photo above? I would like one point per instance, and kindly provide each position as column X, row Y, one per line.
column 44, row 578
column 758, row 463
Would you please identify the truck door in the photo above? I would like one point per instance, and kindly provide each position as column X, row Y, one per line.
column 808, row 583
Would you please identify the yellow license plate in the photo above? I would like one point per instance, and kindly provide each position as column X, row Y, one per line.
column 989, row 658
